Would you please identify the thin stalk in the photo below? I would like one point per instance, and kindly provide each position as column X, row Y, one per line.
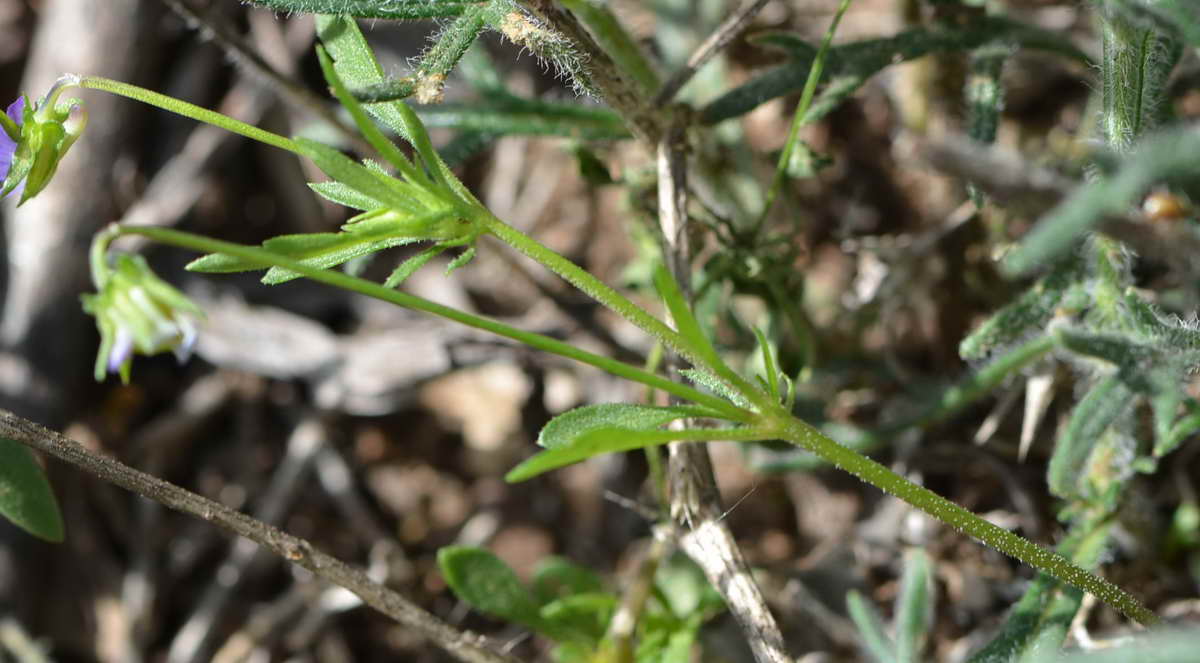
column 592, row 286
column 809, row 438
column 188, row 110
column 800, row 118
column 371, row 289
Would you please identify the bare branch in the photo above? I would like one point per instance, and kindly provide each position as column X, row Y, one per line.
column 718, row 40
column 695, row 501
column 463, row 645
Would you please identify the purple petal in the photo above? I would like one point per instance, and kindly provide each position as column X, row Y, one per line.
column 122, row 349
column 16, row 110
column 8, row 147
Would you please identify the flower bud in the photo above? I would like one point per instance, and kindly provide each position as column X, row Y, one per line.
column 34, row 139
column 137, row 312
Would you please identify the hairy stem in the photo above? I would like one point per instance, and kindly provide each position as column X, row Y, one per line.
column 188, row 110
column 805, row 436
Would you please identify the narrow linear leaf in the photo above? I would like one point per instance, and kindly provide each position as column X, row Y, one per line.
column 412, row 264
column 681, row 313
column 1104, row 402
column 856, row 62
column 1166, row 156
column 875, row 639
column 355, row 63
column 528, row 118
column 488, row 584
column 769, row 365
column 610, row 440
column 374, row 136
column 342, row 194
column 716, row 385
column 914, row 606
column 26, row 498
column 367, row 181
column 1179, row 16
column 324, row 250
column 391, row 9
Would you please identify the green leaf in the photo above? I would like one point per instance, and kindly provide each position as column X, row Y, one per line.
column 488, row 584
column 342, row 194
column 356, row 65
column 388, row 9
column 914, row 606
column 848, row 66
column 374, row 136
column 1094, row 413
column 769, row 366
column 557, row 577
column 26, row 498
column 716, row 385
column 1167, row 156
column 580, row 618
column 324, row 250
column 1028, row 314
column 369, row 182
column 1021, row 625
column 870, row 626
column 1181, row 17
column 610, row 439
column 1163, row 646
column 564, row 429
column 510, row 116
column 412, row 264
column 685, row 323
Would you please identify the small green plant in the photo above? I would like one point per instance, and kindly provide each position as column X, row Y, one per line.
column 1085, row 310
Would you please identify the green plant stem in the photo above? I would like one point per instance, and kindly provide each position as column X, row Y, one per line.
column 605, row 295
column 98, row 256
column 188, row 110
column 613, row 38
column 800, row 118
column 371, row 289
column 809, row 438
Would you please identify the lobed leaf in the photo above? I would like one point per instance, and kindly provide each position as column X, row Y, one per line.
column 26, row 498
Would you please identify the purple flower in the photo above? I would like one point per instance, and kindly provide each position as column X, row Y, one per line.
column 8, row 144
